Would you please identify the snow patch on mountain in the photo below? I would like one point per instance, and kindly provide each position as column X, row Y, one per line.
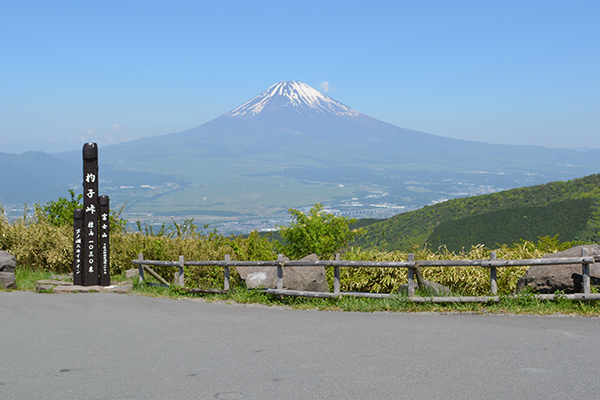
column 293, row 93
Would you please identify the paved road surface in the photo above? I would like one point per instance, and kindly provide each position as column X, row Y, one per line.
column 111, row 346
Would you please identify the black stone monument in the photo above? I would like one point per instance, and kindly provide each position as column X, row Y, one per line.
column 91, row 227
column 104, row 245
column 77, row 246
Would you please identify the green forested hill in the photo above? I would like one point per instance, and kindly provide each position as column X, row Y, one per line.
column 494, row 218
column 567, row 219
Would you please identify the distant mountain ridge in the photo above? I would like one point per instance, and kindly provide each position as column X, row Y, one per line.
column 293, row 146
column 33, row 177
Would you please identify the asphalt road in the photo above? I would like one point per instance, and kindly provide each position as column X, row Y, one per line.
column 111, row 346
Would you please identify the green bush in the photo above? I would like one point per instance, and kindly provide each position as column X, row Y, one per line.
column 60, row 212
column 316, row 232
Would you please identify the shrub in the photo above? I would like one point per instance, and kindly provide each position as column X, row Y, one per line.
column 60, row 212
column 318, row 232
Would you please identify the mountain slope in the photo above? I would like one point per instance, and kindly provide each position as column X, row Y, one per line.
column 293, row 146
column 291, row 118
column 419, row 227
column 566, row 219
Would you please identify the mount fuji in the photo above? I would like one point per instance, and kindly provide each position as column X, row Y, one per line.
column 294, row 146
column 292, row 119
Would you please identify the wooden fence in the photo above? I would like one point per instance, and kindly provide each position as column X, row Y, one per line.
column 412, row 266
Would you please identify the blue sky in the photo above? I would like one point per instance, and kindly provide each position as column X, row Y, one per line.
column 512, row 72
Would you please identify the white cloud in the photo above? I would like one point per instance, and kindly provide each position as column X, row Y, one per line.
column 325, row 86
column 90, row 131
column 118, row 127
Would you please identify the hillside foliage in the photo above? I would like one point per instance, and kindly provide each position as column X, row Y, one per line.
column 565, row 219
column 414, row 228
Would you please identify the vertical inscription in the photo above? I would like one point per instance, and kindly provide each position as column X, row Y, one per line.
column 104, row 240
column 90, row 219
column 77, row 246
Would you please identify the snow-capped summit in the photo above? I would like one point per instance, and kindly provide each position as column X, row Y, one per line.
column 292, row 94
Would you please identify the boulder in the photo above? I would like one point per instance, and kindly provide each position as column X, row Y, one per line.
column 310, row 279
column 133, row 273
column 258, row 277
column 8, row 262
column 567, row 278
column 8, row 280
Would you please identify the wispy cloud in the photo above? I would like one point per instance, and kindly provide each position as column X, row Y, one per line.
column 325, row 86
column 118, row 127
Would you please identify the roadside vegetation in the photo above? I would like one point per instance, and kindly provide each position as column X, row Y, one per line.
column 43, row 246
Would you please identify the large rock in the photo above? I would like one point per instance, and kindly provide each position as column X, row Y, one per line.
column 567, row 278
column 310, row 279
column 8, row 280
column 8, row 263
column 258, row 277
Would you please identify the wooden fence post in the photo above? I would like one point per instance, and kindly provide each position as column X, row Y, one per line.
column 585, row 273
column 280, row 272
column 336, row 277
column 141, row 277
column 226, row 273
column 493, row 275
column 411, row 276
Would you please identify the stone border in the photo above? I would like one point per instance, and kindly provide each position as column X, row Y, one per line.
column 57, row 286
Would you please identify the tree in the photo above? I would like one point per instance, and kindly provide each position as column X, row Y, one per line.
column 60, row 212
column 316, row 232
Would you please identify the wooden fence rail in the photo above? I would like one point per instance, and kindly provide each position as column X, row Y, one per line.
column 412, row 266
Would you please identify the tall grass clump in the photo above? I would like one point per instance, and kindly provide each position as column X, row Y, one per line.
column 168, row 244
column 466, row 281
column 37, row 243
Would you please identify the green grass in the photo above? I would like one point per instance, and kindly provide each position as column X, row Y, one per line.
column 523, row 304
column 26, row 278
